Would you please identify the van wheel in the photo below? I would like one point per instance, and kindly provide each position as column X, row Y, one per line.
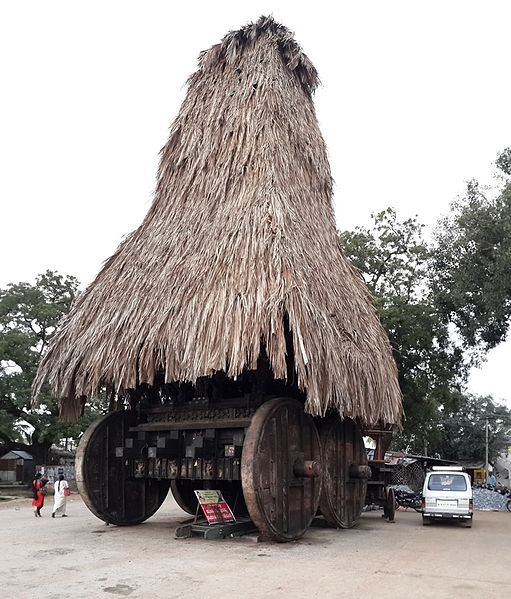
column 425, row 521
column 468, row 523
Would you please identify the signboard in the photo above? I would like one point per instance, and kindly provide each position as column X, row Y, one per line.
column 214, row 506
column 479, row 475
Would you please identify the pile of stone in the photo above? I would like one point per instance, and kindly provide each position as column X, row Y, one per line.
column 486, row 499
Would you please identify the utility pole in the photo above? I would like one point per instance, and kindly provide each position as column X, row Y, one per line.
column 487, row 465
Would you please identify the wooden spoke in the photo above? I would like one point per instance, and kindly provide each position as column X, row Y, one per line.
column 281, row 469
column 101, row 474
column 345, row 472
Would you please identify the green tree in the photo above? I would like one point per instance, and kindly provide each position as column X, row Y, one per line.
column 29, row 316
column 471, row 264
column 394, row 259
column 461, row 278
column 461, row 430
column 503, row 161
column 391, row 255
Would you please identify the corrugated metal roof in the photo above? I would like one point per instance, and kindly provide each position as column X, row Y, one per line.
column 17, row 454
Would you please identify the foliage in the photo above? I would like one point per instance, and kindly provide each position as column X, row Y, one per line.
column 461, row 278
column 392, row 255
column 394, row 259
column 471, row 267
column 503, row 161
column 461, row 431
column 29, row 316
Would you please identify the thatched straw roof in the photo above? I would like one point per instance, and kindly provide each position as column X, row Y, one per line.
column 240, row 236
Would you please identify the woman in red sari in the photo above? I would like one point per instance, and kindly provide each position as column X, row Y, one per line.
column 39, row 492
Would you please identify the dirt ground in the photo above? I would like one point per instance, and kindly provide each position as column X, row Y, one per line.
column 82, row 557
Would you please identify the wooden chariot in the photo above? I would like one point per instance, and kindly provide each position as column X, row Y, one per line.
column 236, row 269
column 271, row 460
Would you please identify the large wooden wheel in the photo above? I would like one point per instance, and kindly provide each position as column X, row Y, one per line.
column 102, row 479
column 345, row 472
column 183, row 492
column 389, row 507
column 281, row 469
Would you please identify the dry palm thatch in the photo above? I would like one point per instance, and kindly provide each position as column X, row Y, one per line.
column 239, row 239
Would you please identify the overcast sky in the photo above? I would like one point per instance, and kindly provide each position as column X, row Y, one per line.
column 415, row 101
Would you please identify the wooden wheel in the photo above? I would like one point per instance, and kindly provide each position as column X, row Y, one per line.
column 345, row 472
column 101, row 475
column 183, row 492
column 389, row 508
column 280, row 469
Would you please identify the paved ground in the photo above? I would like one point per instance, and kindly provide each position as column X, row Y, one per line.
column 81, row 557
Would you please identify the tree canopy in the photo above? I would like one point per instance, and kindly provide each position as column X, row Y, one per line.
column 29, row 316
column 460, row 430
column 471, row 267
column 444, row 303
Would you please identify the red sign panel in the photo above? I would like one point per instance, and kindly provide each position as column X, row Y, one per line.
column 214, row 506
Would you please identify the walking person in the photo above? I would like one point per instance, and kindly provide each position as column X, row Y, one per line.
column 61, row 493
column 40, row 490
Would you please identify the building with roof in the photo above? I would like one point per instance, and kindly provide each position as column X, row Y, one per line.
column 16, row 466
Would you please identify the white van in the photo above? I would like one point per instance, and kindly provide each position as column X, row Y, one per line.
column 447, row 494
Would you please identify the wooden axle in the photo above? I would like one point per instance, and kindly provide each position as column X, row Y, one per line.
column 306, row 468
column 360, row 471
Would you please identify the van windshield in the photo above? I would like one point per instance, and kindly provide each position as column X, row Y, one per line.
column 447, row 482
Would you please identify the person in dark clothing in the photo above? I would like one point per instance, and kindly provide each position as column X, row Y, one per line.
column 38, row 487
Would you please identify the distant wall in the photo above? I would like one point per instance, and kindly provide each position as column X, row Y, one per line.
column 52, row 473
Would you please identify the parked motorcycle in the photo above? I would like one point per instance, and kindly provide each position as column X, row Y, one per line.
column 409, row 499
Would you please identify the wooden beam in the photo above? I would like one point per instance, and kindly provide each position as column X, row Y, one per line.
column 173, row 425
